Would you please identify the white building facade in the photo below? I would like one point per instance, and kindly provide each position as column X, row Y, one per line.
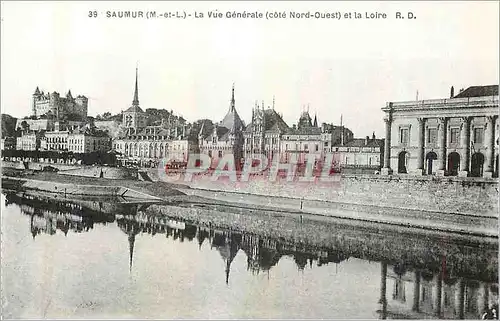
column 457, row 136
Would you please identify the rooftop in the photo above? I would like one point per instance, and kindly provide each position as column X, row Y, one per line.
column 479, row 91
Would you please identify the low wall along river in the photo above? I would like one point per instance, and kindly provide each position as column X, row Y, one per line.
column 444, row 194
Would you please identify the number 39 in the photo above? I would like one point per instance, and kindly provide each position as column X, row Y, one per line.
column 92, row 14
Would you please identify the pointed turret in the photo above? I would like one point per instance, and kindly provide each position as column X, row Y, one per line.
column 200, row 134
column 135, row 102
column 37, row 91
column 315, row 124
column 231, row 108
column 68, row 95
column 273, row 101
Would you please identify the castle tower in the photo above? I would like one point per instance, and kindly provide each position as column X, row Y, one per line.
column 35, row 98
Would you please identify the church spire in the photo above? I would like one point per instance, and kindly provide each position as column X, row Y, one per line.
column 135, row 102
column 131, row 241
column 231, row 109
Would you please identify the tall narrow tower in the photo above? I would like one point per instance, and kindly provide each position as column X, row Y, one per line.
column 233, row 104
column 135, row 102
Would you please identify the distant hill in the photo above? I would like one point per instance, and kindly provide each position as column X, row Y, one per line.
column 8, row 125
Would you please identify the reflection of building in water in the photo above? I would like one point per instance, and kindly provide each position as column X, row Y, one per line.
column 48, row 221
column 262, row 253
column 49, row 215
column 133, row 225
column 422, row 294
column 228, row 244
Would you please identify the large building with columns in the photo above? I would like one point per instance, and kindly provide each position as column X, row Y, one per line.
column 144, row 145
column 456, row 136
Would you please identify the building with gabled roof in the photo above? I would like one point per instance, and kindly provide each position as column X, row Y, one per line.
column 263, row 134
column 226, row 137
column 359, row 155
column 144, row 145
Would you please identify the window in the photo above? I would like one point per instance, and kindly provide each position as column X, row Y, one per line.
column 326, row 144
column 478, row 135
column 286, row 146
column 210, row 153
column 432, row 135
column 454, row 135
column 306, row 147
column 317, row 147
column 220, row 154
column 403, row 136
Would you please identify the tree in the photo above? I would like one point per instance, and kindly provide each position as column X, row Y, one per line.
column 8, row 125
column 25, row 126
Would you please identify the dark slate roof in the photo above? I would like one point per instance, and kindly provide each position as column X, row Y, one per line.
column 134, row 109
column 274, row 122
column 232, row 121
column 157, row 131
column 479, row 91
column 361, row 142
column 304, row 131
column 222, row 134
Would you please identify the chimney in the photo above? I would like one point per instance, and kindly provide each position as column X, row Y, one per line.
column 294, row 126
column 373, row 136
column 452, row 92
column 367, row 139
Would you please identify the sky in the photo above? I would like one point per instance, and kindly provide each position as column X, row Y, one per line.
column 348, row 67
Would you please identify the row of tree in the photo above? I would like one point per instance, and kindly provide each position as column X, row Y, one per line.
column 97, row 157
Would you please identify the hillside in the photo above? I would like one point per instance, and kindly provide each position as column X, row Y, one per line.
column 8, row 125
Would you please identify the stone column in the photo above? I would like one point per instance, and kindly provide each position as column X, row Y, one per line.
column 465, row 141
column 490, row 145
column 421, row 146
column 416, row 292
column 438, row 295
column 383, row 290
column 483, row 298
column 386, row 170
column 443, row 126
column 459, row 299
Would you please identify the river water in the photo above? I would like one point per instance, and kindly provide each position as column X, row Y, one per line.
column 94, row 259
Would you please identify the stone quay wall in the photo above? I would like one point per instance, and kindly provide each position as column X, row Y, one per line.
column 78, row 170
column 107, row 172
column 38, row 165
column 434, row 194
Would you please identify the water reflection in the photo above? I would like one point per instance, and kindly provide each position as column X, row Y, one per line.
column 457, row 281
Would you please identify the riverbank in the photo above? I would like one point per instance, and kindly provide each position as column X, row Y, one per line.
column 478, row 224
column 350, row 237
column 429, row 193
column 159, row 189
